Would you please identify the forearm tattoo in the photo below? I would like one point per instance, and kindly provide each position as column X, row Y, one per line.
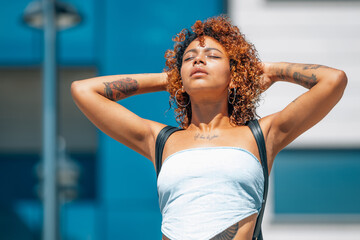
column 305, row 81
column 313, row 66
column 302, row 74
column 227, row 234
column 119, row 89
column 283, row 74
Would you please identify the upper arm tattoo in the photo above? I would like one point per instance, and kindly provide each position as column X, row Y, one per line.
column 119, row 89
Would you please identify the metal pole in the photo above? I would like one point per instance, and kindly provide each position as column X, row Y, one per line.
column 51, row 211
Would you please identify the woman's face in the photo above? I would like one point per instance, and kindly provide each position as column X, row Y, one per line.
column 205, row 69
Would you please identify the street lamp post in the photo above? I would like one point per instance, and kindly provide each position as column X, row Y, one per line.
column 50, row 129
column 50, row 16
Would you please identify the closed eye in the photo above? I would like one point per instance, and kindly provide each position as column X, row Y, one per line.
column 212, row 56
column 188, row 58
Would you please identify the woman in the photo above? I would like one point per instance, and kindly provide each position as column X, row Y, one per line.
column 215, row 78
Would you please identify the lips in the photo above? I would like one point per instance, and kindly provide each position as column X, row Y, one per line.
column 198, row 71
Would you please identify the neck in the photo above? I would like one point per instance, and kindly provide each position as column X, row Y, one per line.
column 209, row 115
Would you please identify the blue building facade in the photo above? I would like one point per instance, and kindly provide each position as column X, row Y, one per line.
column 119, row 199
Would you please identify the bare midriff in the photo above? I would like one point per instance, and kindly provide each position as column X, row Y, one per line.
column 243, row 230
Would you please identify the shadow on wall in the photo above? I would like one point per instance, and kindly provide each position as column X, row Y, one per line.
column 13, row 227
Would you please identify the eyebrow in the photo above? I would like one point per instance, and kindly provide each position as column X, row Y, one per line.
column 206, row 50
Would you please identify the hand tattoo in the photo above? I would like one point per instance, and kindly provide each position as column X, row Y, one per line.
column 120, row 88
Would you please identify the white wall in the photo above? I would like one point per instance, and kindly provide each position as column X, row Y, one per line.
column 326, row 33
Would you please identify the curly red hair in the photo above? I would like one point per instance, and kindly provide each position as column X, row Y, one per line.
column 244, row 66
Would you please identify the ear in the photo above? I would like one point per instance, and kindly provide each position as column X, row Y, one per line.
column 231, row 84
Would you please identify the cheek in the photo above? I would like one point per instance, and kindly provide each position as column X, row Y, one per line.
column 184, row 72
column 226, row 76
column 224, row 72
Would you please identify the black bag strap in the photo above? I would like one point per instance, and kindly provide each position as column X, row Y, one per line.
column 260, row 141
column 160, row 143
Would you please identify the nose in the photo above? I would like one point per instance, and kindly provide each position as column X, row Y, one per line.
column 200, row 59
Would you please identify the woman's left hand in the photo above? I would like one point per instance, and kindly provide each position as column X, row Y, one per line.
column 265, row 79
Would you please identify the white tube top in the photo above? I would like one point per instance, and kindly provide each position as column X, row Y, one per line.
column 203, row 191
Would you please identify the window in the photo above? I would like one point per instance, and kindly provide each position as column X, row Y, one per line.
column 317, row 182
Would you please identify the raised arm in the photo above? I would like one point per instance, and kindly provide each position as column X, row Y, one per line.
column 96, row 99
column 326, row 86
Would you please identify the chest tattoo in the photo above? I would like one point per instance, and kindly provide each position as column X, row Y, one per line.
column 209, row 137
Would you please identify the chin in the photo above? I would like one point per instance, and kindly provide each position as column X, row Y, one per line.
column 204, row 90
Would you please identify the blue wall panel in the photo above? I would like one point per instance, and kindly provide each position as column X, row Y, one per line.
column 77, row 45
column 21, row 45
column 18, row 43
column 317, row 182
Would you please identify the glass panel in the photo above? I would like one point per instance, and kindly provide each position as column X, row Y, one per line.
column 317, row 182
